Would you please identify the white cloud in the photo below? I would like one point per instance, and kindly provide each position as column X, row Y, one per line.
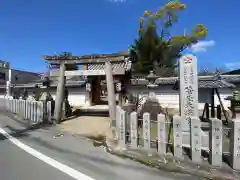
column 229, row 65
column 117, row 1
column 202, row 46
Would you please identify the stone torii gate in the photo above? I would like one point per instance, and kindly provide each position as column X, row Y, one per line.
column 62, row 60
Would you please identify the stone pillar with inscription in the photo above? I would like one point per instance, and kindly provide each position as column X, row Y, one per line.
column 134, row 129
column 188, row 89
column 122, row 129
column 146, row 132
column 196, row 140
column 177, row 133
column 235, row 144
column 215, row 142
column 161, row 131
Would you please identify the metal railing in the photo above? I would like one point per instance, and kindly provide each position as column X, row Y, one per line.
column 36, row 112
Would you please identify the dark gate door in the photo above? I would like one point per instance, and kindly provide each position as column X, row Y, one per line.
column 98, row 97
column 96, row 91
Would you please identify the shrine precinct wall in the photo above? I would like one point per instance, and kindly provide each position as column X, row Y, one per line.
column 170, row 98
column 77, row 95
column 165, row 94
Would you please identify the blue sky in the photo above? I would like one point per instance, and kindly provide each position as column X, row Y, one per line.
column 30, row 29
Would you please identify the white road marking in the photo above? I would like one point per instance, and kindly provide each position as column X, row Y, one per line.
column 61, row 167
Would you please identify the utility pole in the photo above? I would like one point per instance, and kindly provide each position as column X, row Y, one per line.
column 8, row 82
column 111, row 93
column 7, row 76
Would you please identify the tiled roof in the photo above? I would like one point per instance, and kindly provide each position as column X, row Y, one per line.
column 203, row 81
column 222, row 81
column 215, row 84
column 70, row 83
column 53, row 84
column 122, row 53
column 159, row 81
column 210, row 84
column 68, row 78
column 101, row 66
column 231, row 78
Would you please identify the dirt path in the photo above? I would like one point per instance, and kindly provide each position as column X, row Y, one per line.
column 87, row 126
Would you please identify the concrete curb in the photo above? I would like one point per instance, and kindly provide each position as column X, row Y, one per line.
column 170, row 165
column 173, row 168
column 24, row 123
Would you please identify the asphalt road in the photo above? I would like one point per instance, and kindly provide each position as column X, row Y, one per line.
column 21, row 162
column 16, row 164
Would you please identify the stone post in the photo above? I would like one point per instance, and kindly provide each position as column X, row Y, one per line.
column 122, row 129
column 161, row 129
column 118, row 119
column 111, row 93
column 147, row 131
column 177, row 136
column 88, row 100
column 188, row 89
column 49, row 111
column 196, row 140
column 235, row 144
column 134, row 129
column 215, row 143
column 60, row 92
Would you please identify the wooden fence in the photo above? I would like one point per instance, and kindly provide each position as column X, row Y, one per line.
column 163, row 133
column 35, row 112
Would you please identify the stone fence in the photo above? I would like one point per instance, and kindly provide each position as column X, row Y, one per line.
column 35, row 112
column 163, row 134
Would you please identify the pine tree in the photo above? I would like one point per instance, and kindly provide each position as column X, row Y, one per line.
column 155, row 48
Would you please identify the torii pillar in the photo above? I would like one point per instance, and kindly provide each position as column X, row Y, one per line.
column 111, row 93
column 60, row 92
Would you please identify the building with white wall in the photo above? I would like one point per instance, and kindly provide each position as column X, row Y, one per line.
column 166, row 92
